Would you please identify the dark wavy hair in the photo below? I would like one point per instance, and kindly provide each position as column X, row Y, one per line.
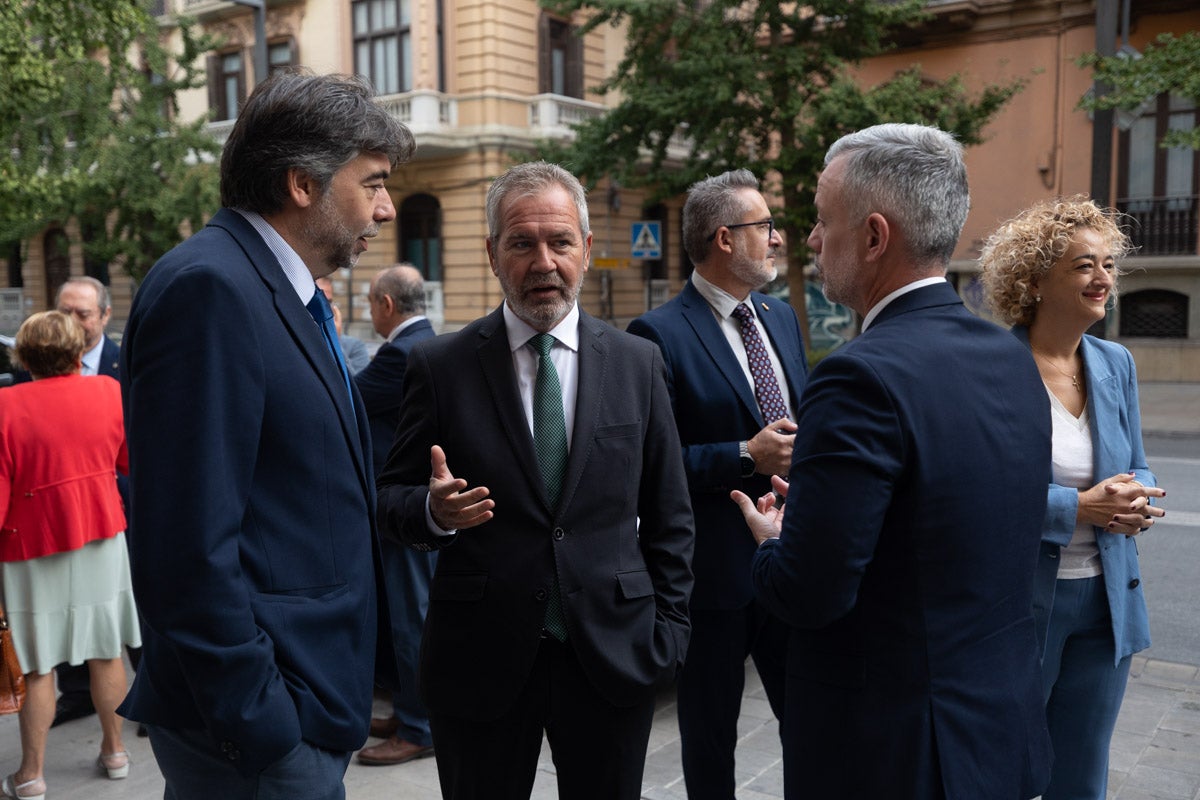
column 313, row 123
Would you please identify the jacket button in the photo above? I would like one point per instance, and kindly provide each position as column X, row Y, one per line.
column 230, row 750
column 1133, row 584
column 559, row 534
column 540, row 595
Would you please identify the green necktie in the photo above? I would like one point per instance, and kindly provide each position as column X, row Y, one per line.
column 550, row 441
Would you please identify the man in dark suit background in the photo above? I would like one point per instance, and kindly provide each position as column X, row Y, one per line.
column 397, row 304
column 552, row 482
column 735, row 367
column 255, row 556
column 87, row 299
column 914, row 506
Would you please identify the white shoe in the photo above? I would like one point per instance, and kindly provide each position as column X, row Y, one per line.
column 11, row 789
column 116, row 765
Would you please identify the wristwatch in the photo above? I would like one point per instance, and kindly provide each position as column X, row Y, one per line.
column 746, row 460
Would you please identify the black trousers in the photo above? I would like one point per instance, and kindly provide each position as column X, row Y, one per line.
column 599, row 750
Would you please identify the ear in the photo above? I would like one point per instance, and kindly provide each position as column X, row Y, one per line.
column 487, row 242
column 587, row 251
column 302, row 188
column 877, row 235
column 724, row 241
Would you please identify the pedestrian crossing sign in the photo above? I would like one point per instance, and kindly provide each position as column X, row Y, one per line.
column 646, row 239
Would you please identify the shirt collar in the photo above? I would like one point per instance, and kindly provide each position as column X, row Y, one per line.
column 293, row 266
column 903, row 290
column 721, row 301
column 406, row 324
column 91, row 359
column 520, row 331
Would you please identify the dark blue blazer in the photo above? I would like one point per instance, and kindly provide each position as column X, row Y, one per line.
column 110, row 358
column 906, row 560
column 381, row 384
column 715, row 409
column 255, row 558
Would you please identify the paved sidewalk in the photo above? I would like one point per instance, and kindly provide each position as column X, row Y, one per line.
column 1155, row 752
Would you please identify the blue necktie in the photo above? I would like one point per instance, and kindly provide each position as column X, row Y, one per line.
column 322, row 314
column 550, row 440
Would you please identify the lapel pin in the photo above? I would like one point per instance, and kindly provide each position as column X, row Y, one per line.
column 764, row 305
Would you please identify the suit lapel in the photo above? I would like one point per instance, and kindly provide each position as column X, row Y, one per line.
column 303, row 329
column 773, row 323
column 1104, row 400
column 593, row 377
column 496, row 364
column 700, row 317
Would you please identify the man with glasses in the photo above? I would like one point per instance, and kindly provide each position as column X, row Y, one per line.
column 735, row 368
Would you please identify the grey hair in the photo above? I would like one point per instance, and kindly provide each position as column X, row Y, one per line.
column 912, row 174
column 102, row 298
column 316, row 124
column 407, row 293
column 711, row 203
column 527, row 179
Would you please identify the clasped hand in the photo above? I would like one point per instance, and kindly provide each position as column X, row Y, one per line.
column 1119, row 504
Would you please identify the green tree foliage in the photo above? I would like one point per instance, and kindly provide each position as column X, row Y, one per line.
column 89, row 116
column 1170, row 65
column 762, row 85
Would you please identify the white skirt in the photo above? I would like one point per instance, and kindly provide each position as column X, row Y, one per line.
column 69, row 607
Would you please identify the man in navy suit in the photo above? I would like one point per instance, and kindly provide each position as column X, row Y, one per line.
column 87, row 299
column 905, row 560
column 536, row 451
column 397, row 304
column 733, row 438
column 255, row 555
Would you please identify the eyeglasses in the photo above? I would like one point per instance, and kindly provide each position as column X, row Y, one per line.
column 770, row 223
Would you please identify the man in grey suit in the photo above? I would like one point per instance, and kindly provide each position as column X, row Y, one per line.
column 537, row 450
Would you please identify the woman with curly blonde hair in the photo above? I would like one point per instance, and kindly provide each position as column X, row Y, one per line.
column 1051, row 272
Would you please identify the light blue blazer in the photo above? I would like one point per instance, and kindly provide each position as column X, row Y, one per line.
column 1116, row 426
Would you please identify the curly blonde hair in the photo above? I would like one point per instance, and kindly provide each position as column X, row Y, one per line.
column 1026, row 247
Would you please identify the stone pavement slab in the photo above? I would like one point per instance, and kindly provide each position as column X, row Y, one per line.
column 1155, row 751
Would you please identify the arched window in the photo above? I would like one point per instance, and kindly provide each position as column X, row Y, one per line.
column 56, row 257
column 421, row 235
column 1156, row 313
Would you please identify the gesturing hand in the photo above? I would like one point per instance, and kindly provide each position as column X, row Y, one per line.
column 766, row 518
column 451, row 504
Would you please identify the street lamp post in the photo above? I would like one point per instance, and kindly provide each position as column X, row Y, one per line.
column 260, row 37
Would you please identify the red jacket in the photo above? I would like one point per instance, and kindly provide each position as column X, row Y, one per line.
column 62, row 441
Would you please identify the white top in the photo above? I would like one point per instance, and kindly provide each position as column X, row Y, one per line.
column 1071, row 465
column 722, row 304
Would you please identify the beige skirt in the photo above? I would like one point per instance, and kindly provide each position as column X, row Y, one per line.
column 69, row 607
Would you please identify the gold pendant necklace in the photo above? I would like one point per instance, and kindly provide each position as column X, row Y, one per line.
column 1073, row 376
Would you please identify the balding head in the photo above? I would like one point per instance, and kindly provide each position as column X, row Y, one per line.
column 396, row 294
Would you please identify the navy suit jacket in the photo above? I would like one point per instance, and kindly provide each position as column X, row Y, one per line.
column 381, row 384
column 906, row 561
column 255, row 558
column 621, row 535
column 715, row 409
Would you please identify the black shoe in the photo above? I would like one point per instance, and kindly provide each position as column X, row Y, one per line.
column 142, row 732
column 72, row 708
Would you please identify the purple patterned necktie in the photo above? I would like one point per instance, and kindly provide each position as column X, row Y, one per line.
column 766, row 387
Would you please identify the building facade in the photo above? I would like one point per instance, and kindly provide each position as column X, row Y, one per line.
column 481, row 81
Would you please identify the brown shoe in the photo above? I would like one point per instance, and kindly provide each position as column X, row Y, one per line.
column 393, row 750
column 383, row 727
